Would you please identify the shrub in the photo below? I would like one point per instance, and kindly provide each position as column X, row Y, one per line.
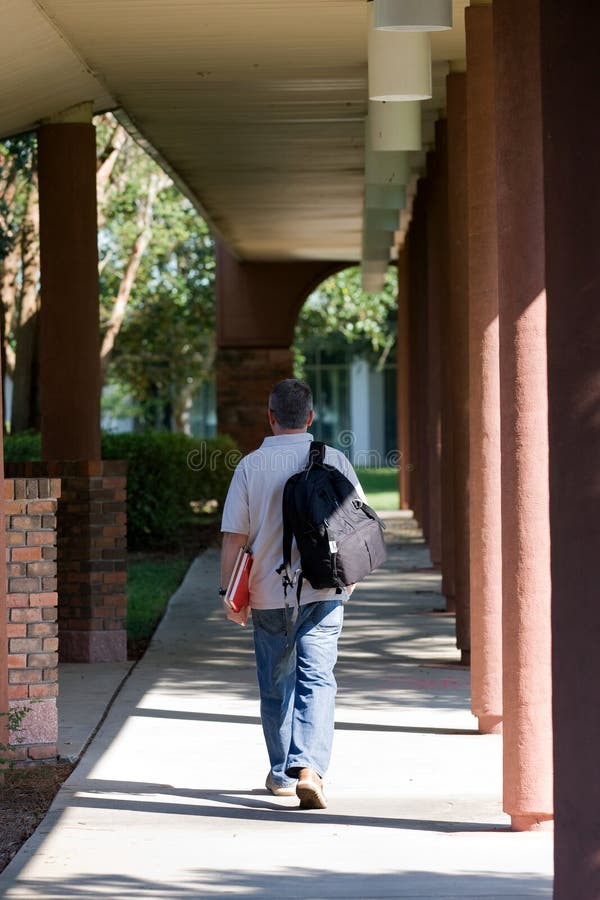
column 166, row 474
column 22, row 447
column 169, row 478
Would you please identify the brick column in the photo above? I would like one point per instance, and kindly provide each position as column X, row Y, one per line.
column 571, row 131
column 257, row 307
column 484, row 378
column 526, row 585
column 458, row 338
column 245, row 378
column 30, row 506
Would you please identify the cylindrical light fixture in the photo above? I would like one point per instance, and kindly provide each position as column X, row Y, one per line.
column 413, row 15
column 372, row 283
column 377, row 252
column 395, row 126
column 383, row 219
column 373, row 275
column 375, row 239
column 399, row 64
column 383, row 196
column 386, row 168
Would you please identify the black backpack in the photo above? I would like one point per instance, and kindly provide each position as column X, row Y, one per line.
column 338, row 535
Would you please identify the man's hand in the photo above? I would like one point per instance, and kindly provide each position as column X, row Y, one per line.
column 350, row 588
column 231, row 547
column 240, row 617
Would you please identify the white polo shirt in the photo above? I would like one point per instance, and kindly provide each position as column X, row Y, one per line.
column 253, row 507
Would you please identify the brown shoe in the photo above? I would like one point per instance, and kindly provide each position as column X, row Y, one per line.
column 310, row 790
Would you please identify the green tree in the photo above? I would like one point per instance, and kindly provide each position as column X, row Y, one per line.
column 156, row 286
column 339, row 315
column 19, row 275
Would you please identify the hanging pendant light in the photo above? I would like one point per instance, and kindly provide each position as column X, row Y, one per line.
column 384, row 219
column 413, row 15
column 386, row 168
column 399, row 63
column 395, row 126
column 382, row 196
column 373, row 275
column 372, row 282
column 376, row 240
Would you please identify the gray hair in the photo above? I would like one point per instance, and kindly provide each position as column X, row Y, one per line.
column 291, row 402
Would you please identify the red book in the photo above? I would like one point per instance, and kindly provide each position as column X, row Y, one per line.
column 238, row 595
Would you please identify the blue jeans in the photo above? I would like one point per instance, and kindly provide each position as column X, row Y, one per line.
column 294, row 664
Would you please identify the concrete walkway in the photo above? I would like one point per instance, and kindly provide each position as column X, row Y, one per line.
column 168, row 799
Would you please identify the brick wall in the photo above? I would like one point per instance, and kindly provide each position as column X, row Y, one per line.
column 30, row 507
column 245, row 377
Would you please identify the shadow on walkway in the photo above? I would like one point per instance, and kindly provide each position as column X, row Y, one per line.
column 168, row 800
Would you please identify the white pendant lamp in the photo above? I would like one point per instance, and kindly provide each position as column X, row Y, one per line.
column 394, row 126
column 413, row 15
column 376, row 240
column 386, row 168
column 382, row 196
column 373, row 275
column 372, row 283
column 377, row 254
column 383, row 219
column 399, row 63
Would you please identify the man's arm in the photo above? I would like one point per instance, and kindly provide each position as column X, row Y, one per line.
column 232, row 543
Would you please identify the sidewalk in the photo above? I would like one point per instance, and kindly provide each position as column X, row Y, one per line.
column 168, row 799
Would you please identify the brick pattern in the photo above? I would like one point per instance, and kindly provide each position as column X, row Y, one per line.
column 91, row 558
column 32, row 599
column 92, row 543
column 245, row 377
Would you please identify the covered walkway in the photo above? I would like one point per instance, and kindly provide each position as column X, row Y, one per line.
column 168, row 800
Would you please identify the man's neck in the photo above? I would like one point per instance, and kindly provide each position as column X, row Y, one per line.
column 277, row 430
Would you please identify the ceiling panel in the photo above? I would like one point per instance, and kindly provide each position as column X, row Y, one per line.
column 257, row 106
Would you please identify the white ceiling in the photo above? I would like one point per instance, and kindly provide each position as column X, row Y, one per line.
column 257, row 106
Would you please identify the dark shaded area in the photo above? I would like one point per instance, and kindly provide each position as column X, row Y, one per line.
column 305, row 884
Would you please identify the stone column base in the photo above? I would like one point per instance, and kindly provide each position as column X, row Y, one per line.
column 93, row 646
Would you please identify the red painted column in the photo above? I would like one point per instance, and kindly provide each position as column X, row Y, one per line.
column 447, row 418
column 70, row 316
column 459, row 340
column 413, row 280
column 484, row 378
column 403, row 376
column 571, row 130
column 420, row 309
column 523, row 392
column 436, row 297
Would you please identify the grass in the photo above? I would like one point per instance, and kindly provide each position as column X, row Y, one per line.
column 151, row 582
column 381, row 487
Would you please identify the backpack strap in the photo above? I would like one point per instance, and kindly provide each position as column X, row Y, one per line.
column 316, row 454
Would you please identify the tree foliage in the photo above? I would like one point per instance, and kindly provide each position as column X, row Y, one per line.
column 340, row 316
column 156, row 286
column 156, row 270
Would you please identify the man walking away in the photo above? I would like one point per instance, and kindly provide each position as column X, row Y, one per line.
column 295, row 643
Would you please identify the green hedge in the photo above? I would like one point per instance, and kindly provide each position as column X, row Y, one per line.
column 170, row 478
